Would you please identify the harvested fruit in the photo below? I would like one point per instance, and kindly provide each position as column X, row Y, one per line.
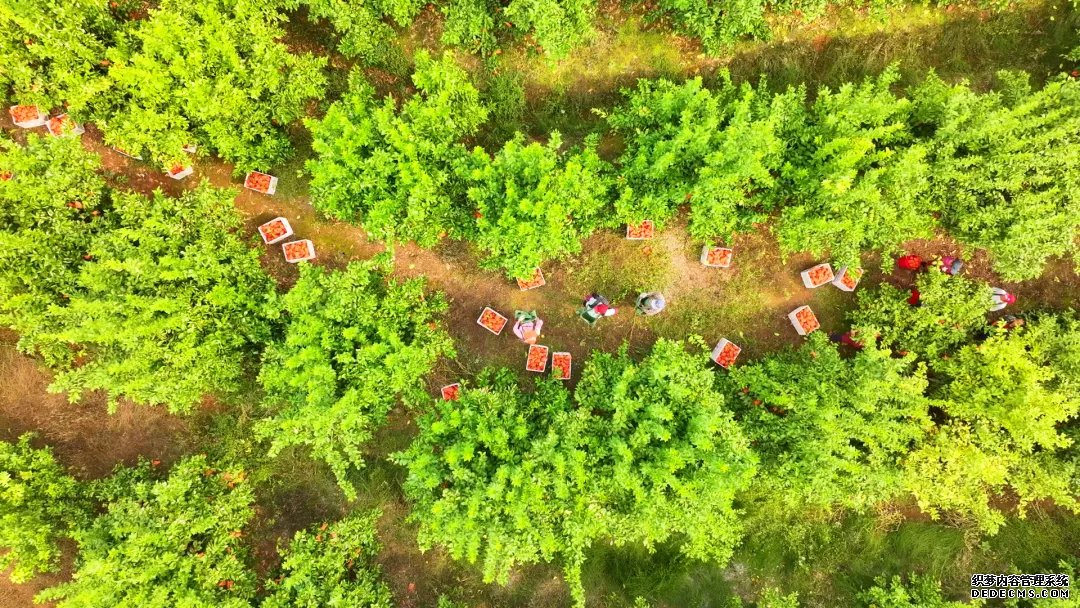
column 260, row 182
column 817, row 276
column 645, row 230
column 451, row 392
column 537, row 361
column 848, row 278
column 725, row 353
column 804, row 320
column 492, row 321
column 718, row 257
column 23, row 114
column 59, row 125
column 536, row 280
column 275, row 230
column 297, row 251
column 560, row 366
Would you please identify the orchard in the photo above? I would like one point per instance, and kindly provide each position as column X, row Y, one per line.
column 537, row 303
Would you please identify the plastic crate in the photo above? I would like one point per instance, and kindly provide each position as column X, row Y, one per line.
column 723, row 344
column 793, row 317
column 809, row 282
column 287, row 234
column 310, row 255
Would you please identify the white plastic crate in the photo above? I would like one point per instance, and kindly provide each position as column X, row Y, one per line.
column 795, row 320
column 720, row 348
column 705, row 256
column 806, row 275
column 76, row 129
column 839, row 280
column 288, row 231
column 28, row 123
column 310, row 251
column 184, row 172
column 270, row 189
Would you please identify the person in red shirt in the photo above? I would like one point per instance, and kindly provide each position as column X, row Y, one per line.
column 910, row 262
column 847, row 339
column 915, row 295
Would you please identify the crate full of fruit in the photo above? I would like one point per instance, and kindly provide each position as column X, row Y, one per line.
column 816, row 276
column 561, row 365
column 848, row 278
column 640, row 232
column 451, row 392
column 180, row 171
column 27, row 117
column 275, row 230
column 536, row 280
column 491, row 320
column 716, row 257
column 804, row 320
column 725, row 353
column 64, row 125
column 261, row 182
column 298, row 251
column 537, row 360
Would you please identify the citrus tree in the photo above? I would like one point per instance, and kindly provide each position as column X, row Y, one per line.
column 171, row 306
column 209, row 72
column 718, row 25
column 533, row 204
column 363, row 27
column 555, row 27
column 832, row 430
column 855, row 176
column 647, row 455
column 716, row 149
column 917, row 592
column 390, row 170
column 51, row 204
column 355, row 342
column 39, row 504
column 332, row 565
column 470, row 24
column 1002, row 167
column 501, row 477
column 951, row 309
column 54, row 52
column 668, row 458
column 1006, row 402
column 166, row 542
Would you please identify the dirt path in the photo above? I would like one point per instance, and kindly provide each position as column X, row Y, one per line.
column 747, row 303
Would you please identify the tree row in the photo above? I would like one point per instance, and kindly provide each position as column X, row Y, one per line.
column 857, row 169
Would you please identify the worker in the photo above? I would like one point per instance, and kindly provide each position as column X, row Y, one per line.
column 527, row 326
column 915, row 297
column 651, row 303
column 999, row 298
column 951, row 265
column 847, row 338
column 595, row 308
column 910, row 262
